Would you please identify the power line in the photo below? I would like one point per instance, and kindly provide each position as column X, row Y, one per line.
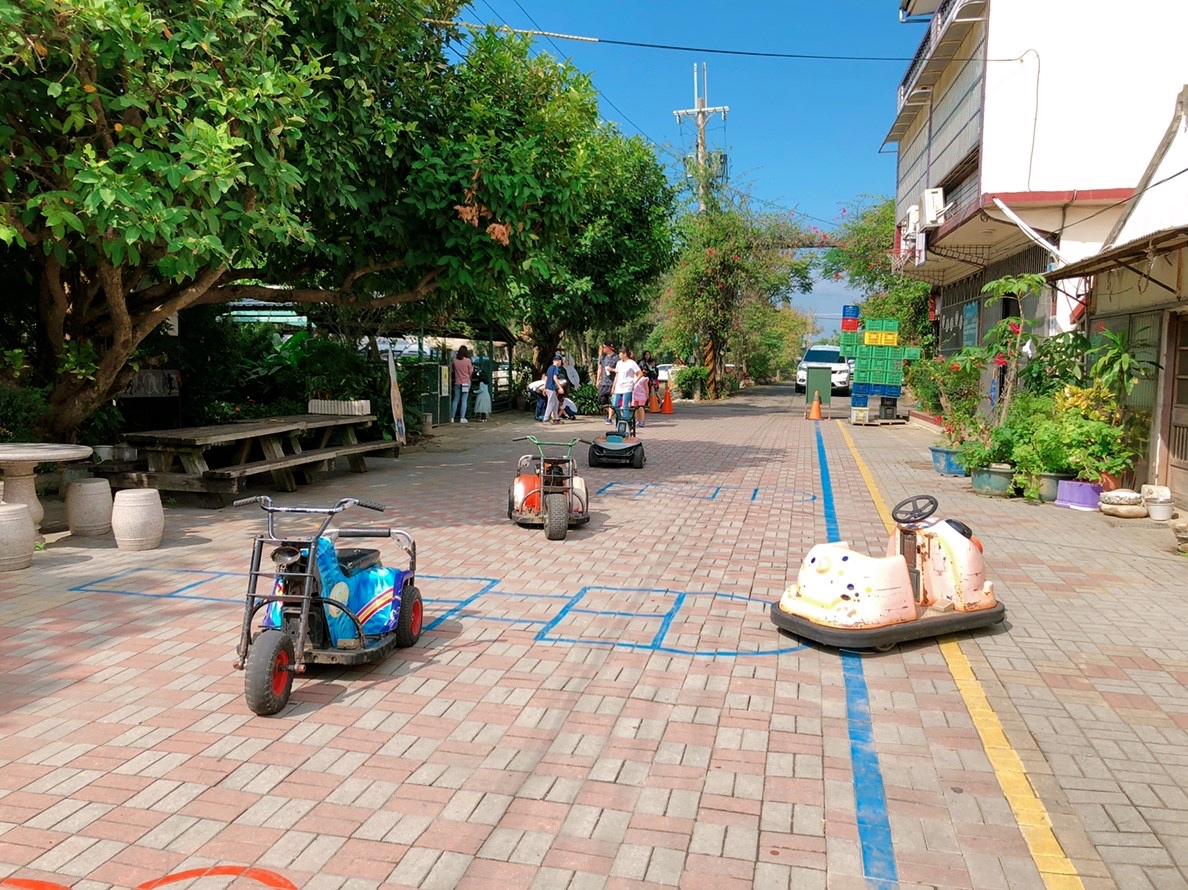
column 811, row 57
column 560, row 52
column 1109, row 207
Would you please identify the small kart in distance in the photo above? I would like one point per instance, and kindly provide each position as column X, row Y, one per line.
column 932, row 581
column 547, row 491
column 621, row 447
column 323, row 605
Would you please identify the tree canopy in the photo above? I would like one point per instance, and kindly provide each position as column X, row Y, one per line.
column 159, row 156
column 861, row 244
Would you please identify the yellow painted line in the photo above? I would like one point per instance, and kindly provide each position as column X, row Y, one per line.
column 1035, row 825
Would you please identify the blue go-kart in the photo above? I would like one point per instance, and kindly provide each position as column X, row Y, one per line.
column 621, row 447
column 320, row 604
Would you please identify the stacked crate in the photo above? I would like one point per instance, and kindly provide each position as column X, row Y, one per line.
column 878, row 365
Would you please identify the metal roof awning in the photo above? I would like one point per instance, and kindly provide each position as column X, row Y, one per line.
column 1125, row 255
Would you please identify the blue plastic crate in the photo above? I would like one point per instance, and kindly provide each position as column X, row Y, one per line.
column 850, row 312
column 860, row 389
column 857, row 401
column 892, row 392
column 876, row 389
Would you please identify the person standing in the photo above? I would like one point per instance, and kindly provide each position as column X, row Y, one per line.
column 626, row 370
column 606, row 378
column 552, row 406
column 463, row 369
column 482, row 402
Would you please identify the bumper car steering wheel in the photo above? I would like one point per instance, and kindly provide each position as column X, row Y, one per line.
column 915, row 509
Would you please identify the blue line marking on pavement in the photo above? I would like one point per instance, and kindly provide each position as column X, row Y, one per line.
column 667, row 622
column 695, row 492
column 870, row 798
column 465, row 608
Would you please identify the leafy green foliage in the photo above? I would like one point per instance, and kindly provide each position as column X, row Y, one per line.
column 22, row 412
column 730, row 257
column 158, row 158
column 860, row 256
column 586, row 399
column 691, row 380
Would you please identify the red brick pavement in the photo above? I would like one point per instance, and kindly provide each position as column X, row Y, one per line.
column 485, row 756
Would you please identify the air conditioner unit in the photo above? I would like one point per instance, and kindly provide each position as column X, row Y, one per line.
column 933, row 202
column 910, row 224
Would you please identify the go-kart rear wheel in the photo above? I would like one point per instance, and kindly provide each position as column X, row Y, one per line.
column 637, row 459
column 556, row 516
column 268, row 677
column 412, row 615
column 592, row 457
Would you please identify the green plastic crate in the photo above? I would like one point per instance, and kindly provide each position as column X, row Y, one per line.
column 911, row 353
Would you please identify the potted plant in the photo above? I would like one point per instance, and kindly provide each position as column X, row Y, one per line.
column 955, row 388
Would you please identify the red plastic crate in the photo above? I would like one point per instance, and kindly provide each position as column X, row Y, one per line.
column 849, row 324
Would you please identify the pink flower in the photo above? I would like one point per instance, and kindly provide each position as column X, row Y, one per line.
column 1014, row 328
column 1000, row 360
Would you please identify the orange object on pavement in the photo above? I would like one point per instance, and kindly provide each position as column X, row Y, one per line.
column 653, row 403
column 666, row 408
column 814, row 412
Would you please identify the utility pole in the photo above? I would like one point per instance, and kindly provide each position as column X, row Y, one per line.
column 701, row 115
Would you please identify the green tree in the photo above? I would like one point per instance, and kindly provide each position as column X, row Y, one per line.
column 859, row 254
column 730, row 257
column 157, row 157
column 601, row 276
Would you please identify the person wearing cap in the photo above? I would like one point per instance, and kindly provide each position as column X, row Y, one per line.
column 552, row 406
column 606, row 378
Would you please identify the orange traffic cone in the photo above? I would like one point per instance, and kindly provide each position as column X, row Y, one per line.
column 653, row 403
column 666, row 408
column 814, row 412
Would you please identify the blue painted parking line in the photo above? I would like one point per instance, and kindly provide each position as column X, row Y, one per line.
column 870, row 798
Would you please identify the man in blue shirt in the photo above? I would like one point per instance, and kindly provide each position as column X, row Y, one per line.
column 606, row 378
column 552, row 406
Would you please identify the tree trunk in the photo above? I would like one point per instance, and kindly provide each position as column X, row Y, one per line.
column 713, row 360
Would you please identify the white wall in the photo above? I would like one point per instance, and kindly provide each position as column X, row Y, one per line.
column 1107, row 72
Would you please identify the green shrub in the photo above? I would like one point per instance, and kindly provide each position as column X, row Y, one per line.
column 692, row 378
column 21, row 412
column 586, row 399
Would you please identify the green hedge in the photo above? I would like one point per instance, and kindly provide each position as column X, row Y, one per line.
column 21, row 412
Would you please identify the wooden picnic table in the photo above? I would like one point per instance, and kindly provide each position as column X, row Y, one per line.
column 219, row 459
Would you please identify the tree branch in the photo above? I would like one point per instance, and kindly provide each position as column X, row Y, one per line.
column 349, row 281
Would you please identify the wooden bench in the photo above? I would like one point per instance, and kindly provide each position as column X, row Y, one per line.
column 301, row 459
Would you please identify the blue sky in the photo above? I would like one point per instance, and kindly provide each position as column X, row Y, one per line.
column 803, row 135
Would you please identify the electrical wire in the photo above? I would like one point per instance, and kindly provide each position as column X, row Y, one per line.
column 560, row 52
column 1116, row 204
column 811, row 57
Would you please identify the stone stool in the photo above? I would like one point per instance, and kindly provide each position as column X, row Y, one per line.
column 137, row 519
column 17, row 537
column 88, row 507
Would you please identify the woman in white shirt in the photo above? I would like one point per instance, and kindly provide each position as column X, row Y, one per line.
column 625, row 373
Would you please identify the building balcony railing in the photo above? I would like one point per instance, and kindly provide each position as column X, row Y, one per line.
column 946, row 13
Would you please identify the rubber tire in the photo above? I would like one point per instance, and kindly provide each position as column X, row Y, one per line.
column 511, row 503
column 637, row 459
column 556, row 516
column 411, row 620
column 592, row 457
column 266, row 690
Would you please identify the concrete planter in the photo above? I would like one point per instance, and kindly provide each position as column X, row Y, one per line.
column 355, row 407
column 947, row 461
column 994, row 482
column 138, row 519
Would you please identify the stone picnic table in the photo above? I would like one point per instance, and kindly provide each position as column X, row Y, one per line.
column 218, row 459
column 18, row 463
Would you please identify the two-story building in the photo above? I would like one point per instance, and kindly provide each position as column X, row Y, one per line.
column 1022, row 126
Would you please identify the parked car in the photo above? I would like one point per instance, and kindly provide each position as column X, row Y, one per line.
column 664, row 370
column 823, row 355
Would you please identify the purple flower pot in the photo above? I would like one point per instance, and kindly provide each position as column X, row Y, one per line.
column 1078, row 495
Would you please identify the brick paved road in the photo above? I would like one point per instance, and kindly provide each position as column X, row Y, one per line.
column 610, row 711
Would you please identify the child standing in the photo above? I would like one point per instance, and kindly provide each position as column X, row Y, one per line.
column 482, row 402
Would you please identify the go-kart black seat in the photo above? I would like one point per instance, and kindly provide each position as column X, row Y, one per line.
column 353, row 559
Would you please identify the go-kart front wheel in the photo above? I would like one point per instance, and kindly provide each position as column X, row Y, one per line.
column 556, row 516
column 592, row 457
column 412, row 616
column 268, row 677
column 637, row 459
